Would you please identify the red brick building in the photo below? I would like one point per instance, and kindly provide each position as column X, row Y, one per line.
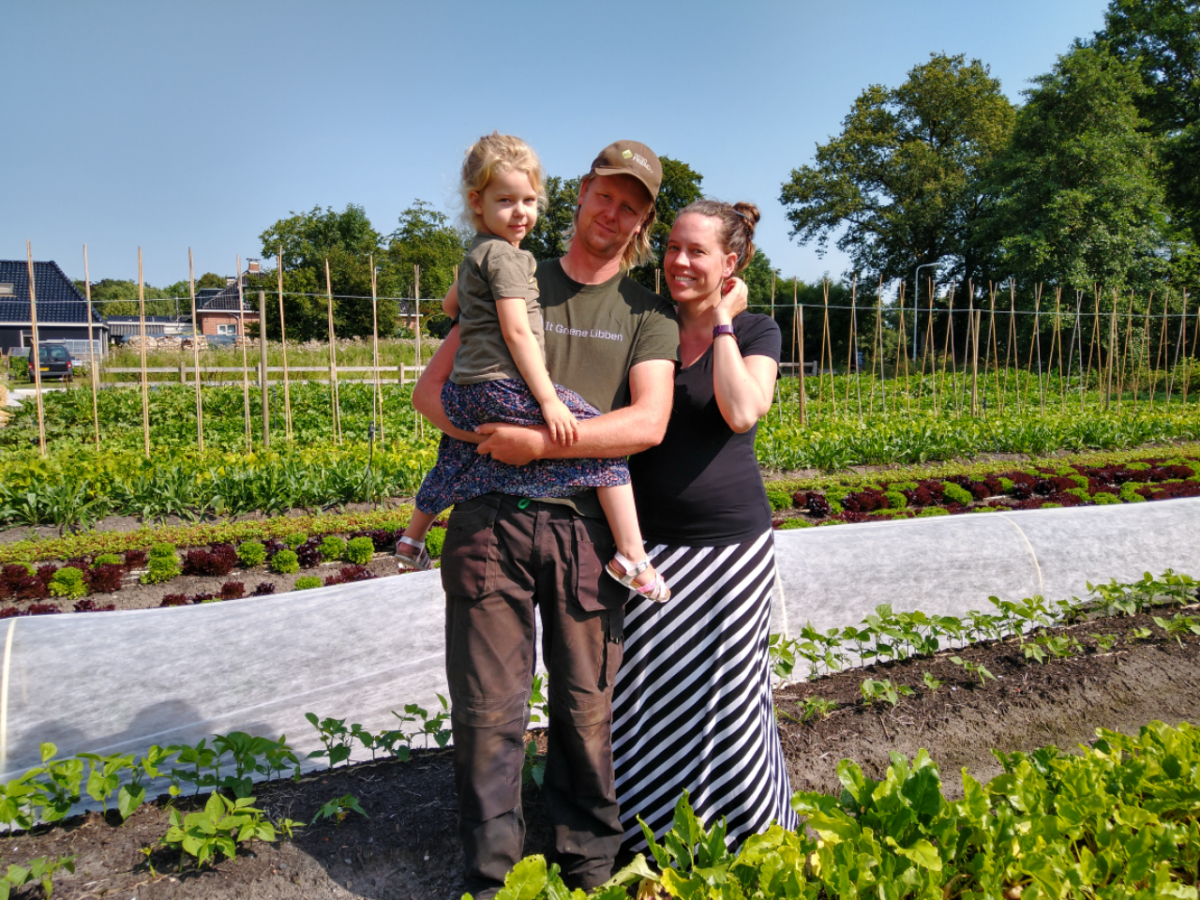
column 221, row 313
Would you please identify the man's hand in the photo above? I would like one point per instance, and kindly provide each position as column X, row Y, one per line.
column 516, row 445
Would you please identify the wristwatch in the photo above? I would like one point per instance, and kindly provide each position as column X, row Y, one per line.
column 723, row 329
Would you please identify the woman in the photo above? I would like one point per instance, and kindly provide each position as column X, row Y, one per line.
column 692, row 705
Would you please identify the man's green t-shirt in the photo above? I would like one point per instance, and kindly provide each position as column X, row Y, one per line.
column 596, row 333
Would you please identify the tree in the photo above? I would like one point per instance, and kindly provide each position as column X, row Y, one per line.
column 680, row 186
column 1161, row 38
column 347, row 240
column 901, row 185
column 548, row 239
column 1079, row 202
column 426, row 238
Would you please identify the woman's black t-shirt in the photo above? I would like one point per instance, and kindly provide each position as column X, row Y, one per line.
column 701, row 486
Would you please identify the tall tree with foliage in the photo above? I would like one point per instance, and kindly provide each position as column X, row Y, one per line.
column 902, row 184
column 548, row 239
column 425, row 237
column 1161, row 38
column 680, row 186
column 1079, row 199
column 346, row 239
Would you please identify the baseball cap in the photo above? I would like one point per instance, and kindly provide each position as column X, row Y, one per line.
column 630, row 158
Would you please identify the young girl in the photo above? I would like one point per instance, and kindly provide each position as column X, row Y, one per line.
column 500, row 373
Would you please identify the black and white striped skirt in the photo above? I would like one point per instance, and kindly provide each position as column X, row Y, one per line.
column 692, row 706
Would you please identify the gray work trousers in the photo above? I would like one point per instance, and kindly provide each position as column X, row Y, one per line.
column 502, row 557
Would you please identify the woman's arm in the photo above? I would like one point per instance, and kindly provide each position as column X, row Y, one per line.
column 427, row 394
column 450, row 304
column 744, row 386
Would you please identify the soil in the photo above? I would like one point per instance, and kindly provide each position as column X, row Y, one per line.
column 408, row 847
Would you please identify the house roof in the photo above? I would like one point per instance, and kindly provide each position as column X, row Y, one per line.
column 58, row 300
column 226, row 299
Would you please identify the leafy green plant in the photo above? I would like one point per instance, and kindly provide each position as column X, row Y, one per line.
column 876, row 690
column 1178, row 625
column 295, row 539
column 1140, row 633
column 219, row 828
column 285, row 562
column 956, row 494
column 252, row 553
column 68, row 582
column 1104, row 642
column 41, row 869
column 1060, row 646
column 816, row 708
column 307, row 582
column 434, row 541
column 332, row 547
column 779, row 499
column 338, row 808
column 781, row 655
column 930, row 681
column 163, row 564
column 360, row 550
column 107, row 559
column 973, row 669
column 104, row 777
column 335, row 736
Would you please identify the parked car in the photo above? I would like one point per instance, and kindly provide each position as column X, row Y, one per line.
column 221, row 340
column 54, row 361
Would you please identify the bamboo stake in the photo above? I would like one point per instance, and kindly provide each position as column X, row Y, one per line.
column 87, row 286
column 794, row 289
column 1112, row 352
column 1161, row 358
column 902, row 350
column 948, row 351
column 1037, row 303
column 287, row 392
column 1145, row 355
column 1124, row 362
column 876, row 355
column 929, row 343
column 142, row 331
column 335, row 405
column 1095, row 335
column 263, row 379
column 196, row 352
column 826, row 339
column 1178, row 346
column 1195, row 337
column 1011, row 344
column 377, row 400
column 1056, row 341
column 973, row 323
column 798, row 318
column 991, row 361
column 245, row 359
column 772, row 296
column 853, row 352
column 35, row 351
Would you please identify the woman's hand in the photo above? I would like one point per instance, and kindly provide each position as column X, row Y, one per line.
column 734, row 297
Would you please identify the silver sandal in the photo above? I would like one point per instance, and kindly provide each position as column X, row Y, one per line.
column 655, row 590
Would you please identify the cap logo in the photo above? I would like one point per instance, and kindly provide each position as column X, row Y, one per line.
column 641, row 161
column 626, row 154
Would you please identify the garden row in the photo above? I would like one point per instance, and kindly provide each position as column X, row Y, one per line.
column 1122, row 814
column 108, row 573
column 1155, row 477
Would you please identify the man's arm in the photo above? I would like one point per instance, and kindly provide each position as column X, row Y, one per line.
column 632, row 429
column 427, row 394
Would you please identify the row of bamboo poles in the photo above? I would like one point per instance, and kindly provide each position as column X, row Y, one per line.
column 1108, row 356
column 377, row 394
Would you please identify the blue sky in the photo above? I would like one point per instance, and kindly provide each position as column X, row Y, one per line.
column 172, row 125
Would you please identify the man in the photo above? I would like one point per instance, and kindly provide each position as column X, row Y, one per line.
column 615, row 343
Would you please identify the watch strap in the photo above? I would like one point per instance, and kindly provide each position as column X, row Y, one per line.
column 723, row 329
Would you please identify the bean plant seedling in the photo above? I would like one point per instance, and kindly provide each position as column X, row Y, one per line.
column 876, row 690
column 1178, row 625
column 973, row 669
column 338, row 808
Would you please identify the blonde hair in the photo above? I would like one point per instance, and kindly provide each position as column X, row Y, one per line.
column 496, row 154
column 736, row 229
column 638, row 252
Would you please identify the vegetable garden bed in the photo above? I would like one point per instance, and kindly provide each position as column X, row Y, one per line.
column 1116, row 673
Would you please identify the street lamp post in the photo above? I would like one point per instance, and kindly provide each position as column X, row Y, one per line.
column 917, row 302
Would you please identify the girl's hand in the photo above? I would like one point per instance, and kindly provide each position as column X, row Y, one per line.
column 564, row 428
column 734, row 300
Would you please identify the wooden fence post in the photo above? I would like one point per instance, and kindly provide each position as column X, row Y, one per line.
column 287, row 392
column 262, row 367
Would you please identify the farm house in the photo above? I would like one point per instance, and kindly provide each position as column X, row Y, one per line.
column 62, row 311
